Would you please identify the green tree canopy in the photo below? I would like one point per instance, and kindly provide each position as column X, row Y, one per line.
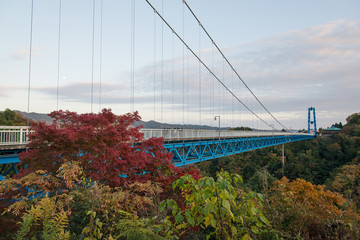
column 12, row 118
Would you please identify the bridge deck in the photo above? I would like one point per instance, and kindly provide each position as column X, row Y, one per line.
column 16, row 137
column 187, row 146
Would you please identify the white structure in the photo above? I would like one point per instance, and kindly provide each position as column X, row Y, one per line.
column 17, row 135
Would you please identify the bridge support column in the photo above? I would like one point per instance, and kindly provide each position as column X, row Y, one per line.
column 311, row 122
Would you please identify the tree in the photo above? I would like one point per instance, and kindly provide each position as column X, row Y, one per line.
column 352, row 127
column 301, row 209
column 353, row 119
column 347, row 182
column 218, row 206
column 240, row 129
column 338, row 125
column 11, row 118
column 57, row 206
column 106, row 146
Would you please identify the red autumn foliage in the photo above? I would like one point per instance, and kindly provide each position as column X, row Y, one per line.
column 105, row 145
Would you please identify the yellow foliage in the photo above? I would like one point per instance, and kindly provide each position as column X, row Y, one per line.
column 48, row 216
column 301, row 207
column 310, row 198
column 136, row 197
column 71, row 173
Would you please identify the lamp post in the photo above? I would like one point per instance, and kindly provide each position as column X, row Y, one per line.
column 219, row 124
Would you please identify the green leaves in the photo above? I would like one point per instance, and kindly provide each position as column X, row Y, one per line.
column 226, row 204
column 213, row 222
column 219, row 204
column 179, row 218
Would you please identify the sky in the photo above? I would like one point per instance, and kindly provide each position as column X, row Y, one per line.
column 120, row 55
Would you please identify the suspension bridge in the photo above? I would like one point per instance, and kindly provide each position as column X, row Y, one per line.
column 202, row 86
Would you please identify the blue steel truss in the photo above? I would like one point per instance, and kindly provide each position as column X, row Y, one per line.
column 190, row 152
column 8, row 164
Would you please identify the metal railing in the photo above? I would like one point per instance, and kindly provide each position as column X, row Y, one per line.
column 17, row 135
column 13, row 135
column 180, row 134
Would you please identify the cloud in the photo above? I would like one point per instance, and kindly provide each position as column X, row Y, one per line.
column 3, row 92
column 23, row 54
column 289, row 72
column 317, row 66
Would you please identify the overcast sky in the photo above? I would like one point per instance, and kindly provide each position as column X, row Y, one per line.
column 291, row 54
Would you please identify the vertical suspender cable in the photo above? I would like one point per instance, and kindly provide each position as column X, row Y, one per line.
column 200, row 74
column 223, row 94
column 240, row 105
column 132, row 88
column 101, row 36
column 154, row 64
column 237, row 74
column 173, row 77
column 240, row 122
column 183, row 77
column 219, row 98
column 252, row 117
column 212, row 85
column 131, row 53
column 187, row 87
column 204, row 65
column 162, row 62
column 92, row 57
column 232, row 99
column 30, row 56
column 58, row 60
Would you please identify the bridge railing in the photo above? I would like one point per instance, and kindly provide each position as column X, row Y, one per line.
column 180, row 134
column 17, row 135
column 13, row 135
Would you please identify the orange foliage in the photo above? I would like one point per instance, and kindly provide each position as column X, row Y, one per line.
column 310, row 198
column 301, row 208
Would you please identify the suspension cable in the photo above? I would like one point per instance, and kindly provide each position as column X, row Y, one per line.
column 187, row 86
column 101, row 51
column 223, row 93
column 232, row 100
column 58, row 60
column 92, row 57
column 154, row 80
column 30, row 56
column 173, row 77
column 183, row 63
column 231, row 66
column 196, row 56
column 162, row 63
column 212, row 104
column 132, row 87
column 199, row 77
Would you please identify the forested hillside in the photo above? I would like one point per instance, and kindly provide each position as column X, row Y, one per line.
column 314, row 160
column 78, row 184
column 11, row 118
column 332, row 160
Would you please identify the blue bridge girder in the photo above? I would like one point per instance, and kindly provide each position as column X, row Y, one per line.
column 190, row 152
column 187, row 146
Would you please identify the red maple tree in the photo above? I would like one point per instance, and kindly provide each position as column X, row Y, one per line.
column 106, row 146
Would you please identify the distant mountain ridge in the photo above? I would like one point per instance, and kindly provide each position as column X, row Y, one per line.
column 37, row 117
column 42, row 117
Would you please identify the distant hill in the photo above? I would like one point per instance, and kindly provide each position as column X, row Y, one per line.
column 37, row 117
column 157, row 125
column 42, row 117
